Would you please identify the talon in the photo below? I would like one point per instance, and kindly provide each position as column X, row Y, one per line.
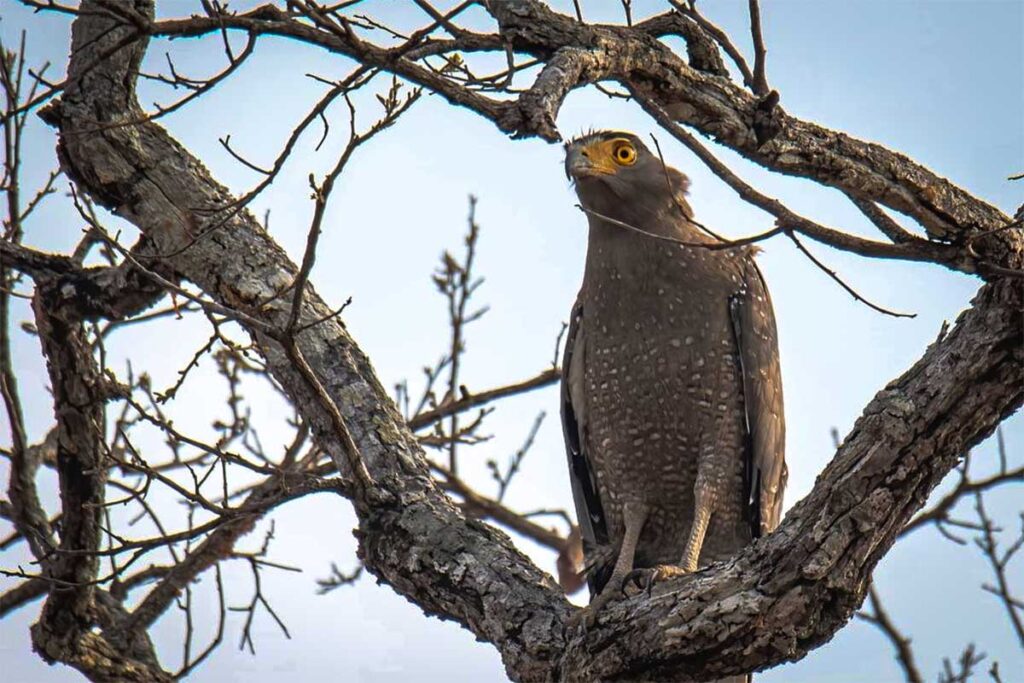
column 630, row 584
column 645, row 578
column 641, row 579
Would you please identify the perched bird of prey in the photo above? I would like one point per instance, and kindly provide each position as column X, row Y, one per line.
column 671, row 387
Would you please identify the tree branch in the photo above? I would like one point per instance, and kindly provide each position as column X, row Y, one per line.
column 80, row 391
column 713, row 105
column 776, row 600
column 904, row 654
column 429, row 417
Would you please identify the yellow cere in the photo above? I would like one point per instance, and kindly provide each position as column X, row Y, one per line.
column 607, row 155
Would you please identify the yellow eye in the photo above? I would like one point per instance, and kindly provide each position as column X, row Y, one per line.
column 624, row 154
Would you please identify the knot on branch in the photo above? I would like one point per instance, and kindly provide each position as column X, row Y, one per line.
column 536, row 110
column 521, row 121
column 701, row 50
column 766, row 122
column 51, row 113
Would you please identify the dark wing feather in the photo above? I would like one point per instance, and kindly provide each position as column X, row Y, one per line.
column 753, row 323
column 589, row 514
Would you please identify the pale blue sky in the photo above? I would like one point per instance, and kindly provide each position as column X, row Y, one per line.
column 940, row 81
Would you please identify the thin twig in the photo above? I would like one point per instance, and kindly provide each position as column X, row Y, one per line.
column 394, row 108
column 760, row 81
column 901, row 643
column 999, row 561
column 832, row 274
column 429, row 417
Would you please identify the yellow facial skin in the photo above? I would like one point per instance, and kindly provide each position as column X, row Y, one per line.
column 606, row 157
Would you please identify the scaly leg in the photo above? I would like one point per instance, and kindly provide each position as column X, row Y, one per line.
column 634, row 515
column 703, row 508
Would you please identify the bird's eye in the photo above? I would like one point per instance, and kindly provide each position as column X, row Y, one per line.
column 624, row 154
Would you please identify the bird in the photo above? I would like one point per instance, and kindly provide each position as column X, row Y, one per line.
column 671, row 392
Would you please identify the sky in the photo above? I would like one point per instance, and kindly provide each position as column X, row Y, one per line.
column 942, row 82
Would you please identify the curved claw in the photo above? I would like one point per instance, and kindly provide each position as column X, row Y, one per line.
column 645, row 578
column 640, row 579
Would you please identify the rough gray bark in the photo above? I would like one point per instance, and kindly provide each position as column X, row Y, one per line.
column 779, row 598
column 74, row 604
column 708, row 102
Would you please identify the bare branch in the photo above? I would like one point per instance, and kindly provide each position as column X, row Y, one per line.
column 690, row 10
column 965, row 665
column 966, row 486
column 832, row 274
column 481, row 506
column 783, row 595
column 394, row 107
column 760, row 81
column 476, row 400
column 914, row 250
column 999, row 561
column 904, row 654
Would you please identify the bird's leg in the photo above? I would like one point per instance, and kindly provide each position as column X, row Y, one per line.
column 701, row 517
column 703, row 507
column 634, row 515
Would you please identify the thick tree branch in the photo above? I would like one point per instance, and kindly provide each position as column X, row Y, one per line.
column 726, row 112
column 22, row 594
column 241, row 267
column 701, row 49
column 780, row 597
column 111, row 292
column 64, row 631
column 752, row 125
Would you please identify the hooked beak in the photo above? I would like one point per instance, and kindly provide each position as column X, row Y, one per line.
column 578, row 165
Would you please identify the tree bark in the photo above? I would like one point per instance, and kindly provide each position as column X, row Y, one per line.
column 74, row 602
column 778, row 599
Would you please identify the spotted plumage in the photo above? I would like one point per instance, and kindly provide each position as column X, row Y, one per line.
column 672, row 394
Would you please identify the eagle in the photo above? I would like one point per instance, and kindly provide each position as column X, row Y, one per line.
column 671, row 385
